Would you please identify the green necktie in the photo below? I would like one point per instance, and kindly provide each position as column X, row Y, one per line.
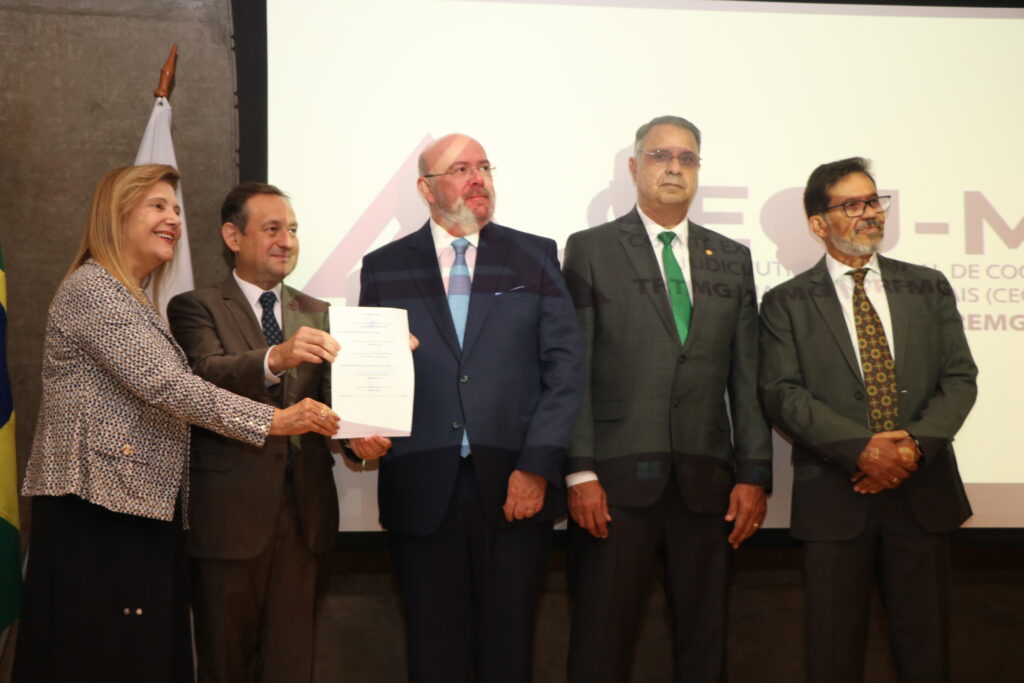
column 675, row 282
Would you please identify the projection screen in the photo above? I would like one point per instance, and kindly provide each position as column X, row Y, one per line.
column 555, row 91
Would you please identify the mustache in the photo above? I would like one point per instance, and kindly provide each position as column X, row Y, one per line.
column 479, row 192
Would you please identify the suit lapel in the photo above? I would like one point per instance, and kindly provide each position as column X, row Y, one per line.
column 426, row 273
column 899, row 310
column 241, row 310
column 699, row 248
column 637, row 245
column 491, row 253
column 823, row 293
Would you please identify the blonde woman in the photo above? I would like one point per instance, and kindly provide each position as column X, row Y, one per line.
column 106, row 596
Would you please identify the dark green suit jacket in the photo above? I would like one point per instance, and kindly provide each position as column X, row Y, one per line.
column 653, row 405
column 812, row 390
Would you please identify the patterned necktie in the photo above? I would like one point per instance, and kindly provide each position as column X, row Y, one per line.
column 459, row 287
column 675, row 282
column 271, row 330
column 875, row 359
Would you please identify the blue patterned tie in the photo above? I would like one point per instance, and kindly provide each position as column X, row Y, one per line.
column 271, row 330
column 459, row 287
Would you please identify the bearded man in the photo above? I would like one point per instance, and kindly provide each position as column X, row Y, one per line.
column 864, row 364
column 470, row 497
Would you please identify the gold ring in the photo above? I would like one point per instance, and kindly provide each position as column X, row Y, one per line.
column 323, row 413
column 894, row 480
column 756, row 525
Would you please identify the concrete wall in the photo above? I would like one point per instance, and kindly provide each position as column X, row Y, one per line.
column 76, row 84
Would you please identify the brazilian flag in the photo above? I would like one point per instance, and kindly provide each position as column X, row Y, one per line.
column 10, row 552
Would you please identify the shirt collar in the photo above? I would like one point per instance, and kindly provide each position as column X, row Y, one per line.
column 682, row 230
column 252, row 292
column 443, row 239
column 837, row 270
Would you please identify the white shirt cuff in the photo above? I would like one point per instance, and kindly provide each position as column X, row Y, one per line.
column 580, row 477
column 269, row 378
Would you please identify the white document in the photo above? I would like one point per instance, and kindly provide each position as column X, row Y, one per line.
column 372, row 379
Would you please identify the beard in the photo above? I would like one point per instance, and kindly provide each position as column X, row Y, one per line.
column 854, row 248
column 460, row 214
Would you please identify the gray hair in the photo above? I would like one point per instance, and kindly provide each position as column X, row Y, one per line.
column 677, row 121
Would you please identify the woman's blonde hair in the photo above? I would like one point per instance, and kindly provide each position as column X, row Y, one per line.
column 104, row 239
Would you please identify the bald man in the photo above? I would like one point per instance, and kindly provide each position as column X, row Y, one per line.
column 469, row 499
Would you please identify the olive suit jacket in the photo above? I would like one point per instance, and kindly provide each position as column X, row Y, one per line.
column 236, row 488
column 653, row 405
column 812, row 389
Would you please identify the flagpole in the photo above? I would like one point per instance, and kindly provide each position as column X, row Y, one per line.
column 163, row 88
column 157, row 147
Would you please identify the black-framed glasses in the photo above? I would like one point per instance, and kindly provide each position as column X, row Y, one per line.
column 663, row 157
column 854, row 208
column 462, row 171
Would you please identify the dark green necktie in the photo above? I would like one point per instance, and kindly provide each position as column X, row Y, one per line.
column 675, row 282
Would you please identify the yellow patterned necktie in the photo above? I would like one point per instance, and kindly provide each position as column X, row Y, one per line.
column 875, row 359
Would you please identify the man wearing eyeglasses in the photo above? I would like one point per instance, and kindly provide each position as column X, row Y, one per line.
column 865, row 365
column 470, row 497
column 671, row 454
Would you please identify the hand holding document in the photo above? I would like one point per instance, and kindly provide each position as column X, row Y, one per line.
column 372, row 378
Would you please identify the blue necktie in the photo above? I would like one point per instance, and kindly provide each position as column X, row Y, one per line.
column 459, row 287
column 271, row 330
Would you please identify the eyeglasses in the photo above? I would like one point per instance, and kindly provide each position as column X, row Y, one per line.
column 663, row 157
column 854, row 208
column 463, row 171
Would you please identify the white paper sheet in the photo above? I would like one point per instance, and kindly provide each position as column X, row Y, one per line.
column 372, row 379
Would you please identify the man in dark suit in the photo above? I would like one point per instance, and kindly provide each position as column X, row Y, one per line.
column 660, row 460
column 260, row 519
column 469, row 498
column 865, row 365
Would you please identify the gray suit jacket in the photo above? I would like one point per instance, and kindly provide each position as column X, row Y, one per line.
column 812, row 389
column 650, row 402
column 237, row 488
column 117, row 399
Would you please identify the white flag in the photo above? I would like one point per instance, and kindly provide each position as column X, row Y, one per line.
column 158, row 148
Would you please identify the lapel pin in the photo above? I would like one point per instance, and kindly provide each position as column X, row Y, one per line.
column 708, row 252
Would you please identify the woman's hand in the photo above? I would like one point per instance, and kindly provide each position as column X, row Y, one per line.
column 305, row 416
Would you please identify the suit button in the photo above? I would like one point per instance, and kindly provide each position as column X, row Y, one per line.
column 682, row 359
column 138, row 611
column 859, row 395
column 456, row 424
column 675, row 403
column 463, row 378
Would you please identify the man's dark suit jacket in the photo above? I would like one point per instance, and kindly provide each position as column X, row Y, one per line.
column 236, row 488
column 516, row 383
column 812, row 387
column 653, row 403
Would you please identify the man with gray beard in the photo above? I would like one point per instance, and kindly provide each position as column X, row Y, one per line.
column 470, row 497
column 865, row 365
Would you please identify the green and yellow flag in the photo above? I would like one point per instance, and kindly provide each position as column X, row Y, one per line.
column 10, row 551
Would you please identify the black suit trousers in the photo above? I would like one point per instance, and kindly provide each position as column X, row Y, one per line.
column 610, row 581
column 911, row 567
column 470, row 592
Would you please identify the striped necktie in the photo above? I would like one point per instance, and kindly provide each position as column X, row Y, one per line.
column 459, row 287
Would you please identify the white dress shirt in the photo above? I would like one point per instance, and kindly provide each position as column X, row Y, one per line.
column 875, row 291
column 446, row 252
column 680, row 249
column 680, row 246
column 252, row 294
